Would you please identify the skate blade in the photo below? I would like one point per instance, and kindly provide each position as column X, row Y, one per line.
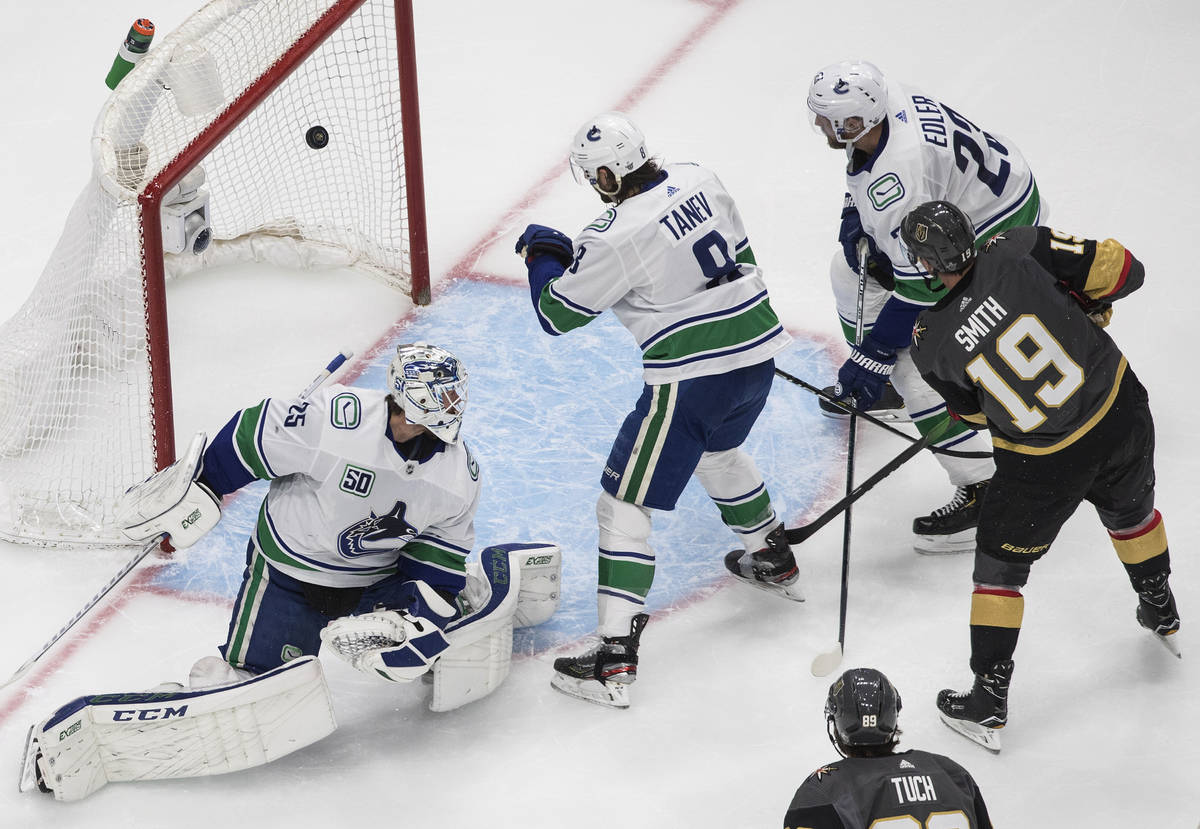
column 787, row 591
column 1170, row 642
column 989, row 738
column 28, row 779
column 610, row 695
column 962, row 541
column 889, row 415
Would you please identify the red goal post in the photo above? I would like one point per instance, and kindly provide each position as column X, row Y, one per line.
column 285, row 131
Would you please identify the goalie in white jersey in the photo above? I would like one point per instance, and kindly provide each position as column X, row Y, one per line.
column 671, row 258
column 361, row 544
column 903, row 148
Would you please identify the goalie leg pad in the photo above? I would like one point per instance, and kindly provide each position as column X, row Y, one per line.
column 480, row 651
column 106, row 738
column 540, row 570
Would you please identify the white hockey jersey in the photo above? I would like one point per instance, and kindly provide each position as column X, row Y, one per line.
column 933, row 152
column 674, row 265
column 344, row 505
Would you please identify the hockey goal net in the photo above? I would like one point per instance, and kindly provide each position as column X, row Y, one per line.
column 302, row 117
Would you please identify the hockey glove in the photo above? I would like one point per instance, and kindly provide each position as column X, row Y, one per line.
column 539, row 239
column 879, row 266
column 863, row 376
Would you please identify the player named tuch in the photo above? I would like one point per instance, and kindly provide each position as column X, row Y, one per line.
column 1017, row 346
column 876, row 785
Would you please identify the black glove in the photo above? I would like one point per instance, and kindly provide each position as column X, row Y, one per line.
column 879, row 266
column 539, row 239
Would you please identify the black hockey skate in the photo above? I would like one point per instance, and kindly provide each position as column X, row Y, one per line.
column 889, row 406
column 1156, row 610
column 980, row 713
column 951, row 529
column 772, row 568
column 603, row 675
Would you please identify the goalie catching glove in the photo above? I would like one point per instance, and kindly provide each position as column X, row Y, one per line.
column 398, row 645
column 172, row 502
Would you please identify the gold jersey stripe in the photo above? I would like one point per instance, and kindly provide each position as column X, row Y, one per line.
column 1108, row 267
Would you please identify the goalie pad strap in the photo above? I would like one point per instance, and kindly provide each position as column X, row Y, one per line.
column 106, row 738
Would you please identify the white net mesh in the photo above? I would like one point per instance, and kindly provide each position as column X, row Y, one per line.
column 77, row 413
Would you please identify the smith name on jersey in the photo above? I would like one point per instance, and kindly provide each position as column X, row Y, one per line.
column 674, row 265
column 346, row 502
column 930, row 151
column 1012, row 344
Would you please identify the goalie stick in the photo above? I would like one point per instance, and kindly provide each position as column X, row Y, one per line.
column 324, row 375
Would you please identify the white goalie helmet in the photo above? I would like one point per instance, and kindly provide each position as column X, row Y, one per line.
column 846, row 90
column 609, row 140
column 430, row 385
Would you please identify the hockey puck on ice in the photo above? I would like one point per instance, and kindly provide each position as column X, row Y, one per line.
column 317, row 137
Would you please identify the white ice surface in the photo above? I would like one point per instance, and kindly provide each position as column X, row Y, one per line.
column 726, row 721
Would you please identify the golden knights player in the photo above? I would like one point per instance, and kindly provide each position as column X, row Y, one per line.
column 1017, row 345
column 875, row 782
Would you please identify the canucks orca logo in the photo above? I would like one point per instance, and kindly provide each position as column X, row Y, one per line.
column 377, row 534
column 593, row 134
column 841, row 87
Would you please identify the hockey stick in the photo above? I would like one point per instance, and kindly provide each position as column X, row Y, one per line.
column 333, row 366
column 824, row 663
column 954, row 453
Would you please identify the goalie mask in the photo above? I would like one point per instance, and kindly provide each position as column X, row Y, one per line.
column 609, row 140
column 862, row 709
column 852, row 95
column 430, row 385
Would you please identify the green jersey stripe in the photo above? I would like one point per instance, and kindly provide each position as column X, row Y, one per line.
column 714, row 335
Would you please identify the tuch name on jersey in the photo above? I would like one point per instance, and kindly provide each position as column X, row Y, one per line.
column 914, row 788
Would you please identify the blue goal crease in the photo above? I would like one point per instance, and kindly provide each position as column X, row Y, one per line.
column 543, row 413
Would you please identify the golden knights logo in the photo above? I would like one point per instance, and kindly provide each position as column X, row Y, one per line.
column 919, row 330
column 921, row 233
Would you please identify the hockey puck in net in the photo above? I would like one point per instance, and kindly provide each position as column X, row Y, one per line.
column 317, row 137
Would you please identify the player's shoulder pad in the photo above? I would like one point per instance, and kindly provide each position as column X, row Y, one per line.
column 1014, row 240
column 603, row 222
column 823, row 773
column 344, row 407
column 472, row 464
